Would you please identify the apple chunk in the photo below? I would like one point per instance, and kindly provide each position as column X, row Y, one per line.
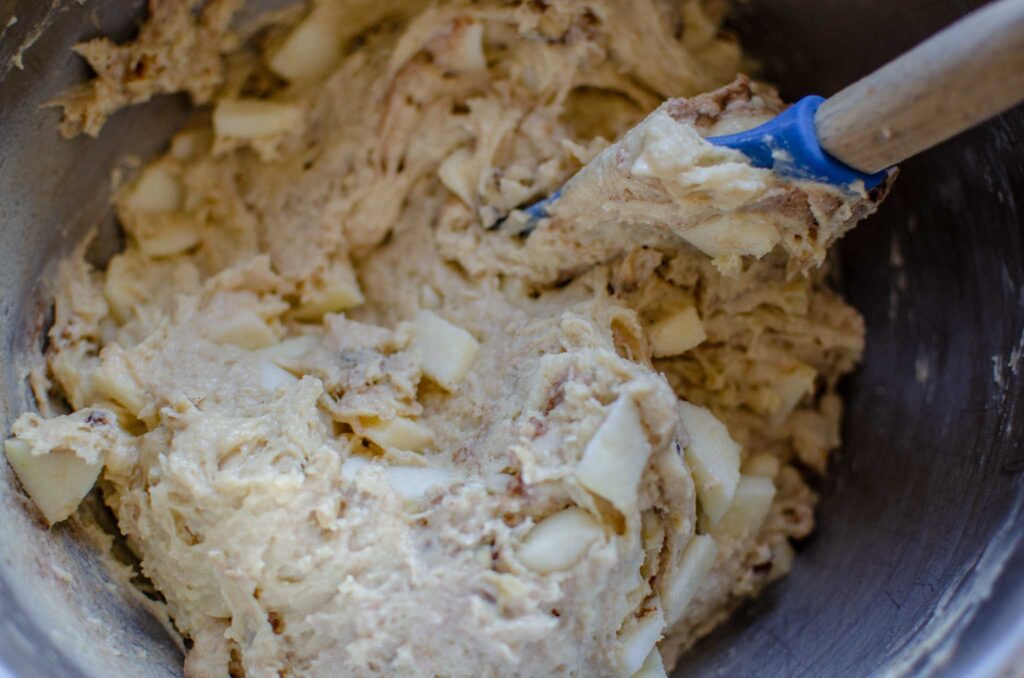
column 677, row 333
column 116, row 379
column 653, row 666
column 170, row 239
column 790, row 390
column 446, row 351
column 782, row 559
column 307, row 53
column 639, row 640
column 749, row 507
column 155, row 191
column 245, row 329
column 559, row 541
column 57, row 481
column 399, row 433
column 412, row 483
column 273, row 377
column 725, row 234
column 254, row 118
column 336, row 290
column 614, row 459
column 713, row 457
column 697, row 560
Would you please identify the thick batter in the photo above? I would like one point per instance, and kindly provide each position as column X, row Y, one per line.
column 349, row 428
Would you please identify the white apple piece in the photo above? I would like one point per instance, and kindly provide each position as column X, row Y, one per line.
column 725, row 234
column 114, row 380
column 614, row 459
column 559, row 541
column 186, row 144
column 399, row 433
column 446, row 351
column 254, row 118
column 272, row 378
column 713, row 457
column 57, row 481
column 653, row 666
column 697, row 560
column 243, row 328
column 749, row 508
column 677, row 334
column 308, row 52
column 764, row 465
column 639, row 640
column 337, row 290
column 456, row 173
column 464, row 51
column 350, row 467
column 412, row 483
column 791, row 389
column 170, row 239
column 782, row 559
column 156, row 190
column 292, row 347
column 122, row 289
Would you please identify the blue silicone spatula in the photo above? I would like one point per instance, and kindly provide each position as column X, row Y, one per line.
column 963, row 75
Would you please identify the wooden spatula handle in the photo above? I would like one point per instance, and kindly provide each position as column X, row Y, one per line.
column 967, row 73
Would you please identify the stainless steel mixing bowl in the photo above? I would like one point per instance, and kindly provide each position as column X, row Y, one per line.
column 918, row 563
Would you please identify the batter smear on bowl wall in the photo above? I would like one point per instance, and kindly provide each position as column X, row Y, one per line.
column 351, row 427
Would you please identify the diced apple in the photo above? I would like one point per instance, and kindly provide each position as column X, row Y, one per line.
column 155, row 191
column 410, row 482
column 57, row 481
column 763, row 465
column 187, row 143
column 653, row 666
column 614, row 459
column 639, row 639
column 463, row 52
column 351, row 466
column 713, row 457
column 698, row 559
column 446, row 351
column 273, row 377
column 114, row 380
column 307, row 53
column 413, row 482
column 749, row 507
column 243, row 328
column 121, row 289
column 337, row 290
column 677, row 333
column 292, row 347
column 742, row 234
column 169, row 240
column 782, row 559
column 791, row 389
column 456, row 173
column 509, row 590
column 559, row 541
column 399, row 433
column 254, row 118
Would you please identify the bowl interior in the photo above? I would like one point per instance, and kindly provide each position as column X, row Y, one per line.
column 921, row 521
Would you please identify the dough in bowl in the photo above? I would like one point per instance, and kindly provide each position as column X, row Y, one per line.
column 352, row 423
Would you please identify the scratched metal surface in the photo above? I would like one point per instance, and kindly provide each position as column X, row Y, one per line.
column 915, row 567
